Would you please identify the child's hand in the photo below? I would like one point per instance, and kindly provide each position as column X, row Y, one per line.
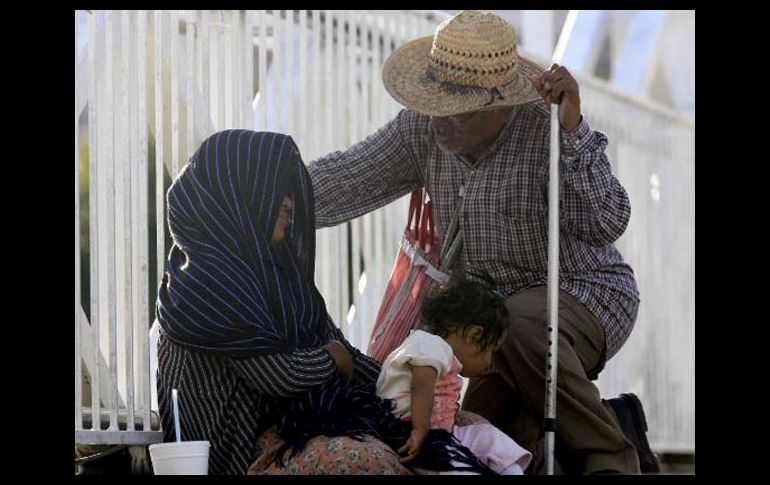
column 413, row 444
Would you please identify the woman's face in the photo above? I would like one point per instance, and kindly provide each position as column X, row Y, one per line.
column 282, row 223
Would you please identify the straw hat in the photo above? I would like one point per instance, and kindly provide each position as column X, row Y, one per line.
column 470, row 64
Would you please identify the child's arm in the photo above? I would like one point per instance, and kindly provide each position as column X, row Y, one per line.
column 423, row 387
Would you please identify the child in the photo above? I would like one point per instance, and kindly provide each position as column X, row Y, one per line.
column 463, row 323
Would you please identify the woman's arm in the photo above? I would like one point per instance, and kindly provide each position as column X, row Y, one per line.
column 365, row 368
column 287, row 375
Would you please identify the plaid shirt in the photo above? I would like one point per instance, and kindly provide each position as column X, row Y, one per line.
column 504, row 223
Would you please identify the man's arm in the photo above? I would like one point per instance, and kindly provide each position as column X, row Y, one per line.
column 366, row 176
column 422, row 390
column 594, row 206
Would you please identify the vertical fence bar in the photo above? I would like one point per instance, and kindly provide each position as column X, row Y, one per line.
column 302, row 99
column 341, row 140
column 214, row 72
column 367, row 244
column 141, row 263
column 381, row 229
column 199, row 102
column 288, row 103
column 378, row 34
column 378, row 45
column 236, row 67
column 374, row 270
column 328, row 75
column 206, row 68
column 221, row 75
column 240, row 68
column 173, row 42
column 391, row 38
column 278, row 121
column 249, row 78
column 327, row 93
column 240, row 47
column 354, row 110
column 239, row 87
column 124, row 192
column 160, row 142
column 262, row 70
column 367, row 45
column 352, row 99
column 315, row 98
column 227, row 83
column 341, row 134
column 78, row 351
column 236, row 61
column 110, row 226
column 191, row 32
column 135, row 58
column 93, row 209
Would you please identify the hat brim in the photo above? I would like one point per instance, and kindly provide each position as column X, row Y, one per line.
column 405, row 78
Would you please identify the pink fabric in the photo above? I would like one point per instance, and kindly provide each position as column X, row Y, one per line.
column 495, row 448
column 446, row 398
column 325, row 455
column 400, row 308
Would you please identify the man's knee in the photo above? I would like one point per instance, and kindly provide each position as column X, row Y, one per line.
column 528, row 316
column 527, row 333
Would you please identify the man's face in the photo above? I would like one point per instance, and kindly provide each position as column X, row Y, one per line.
column 468, row 133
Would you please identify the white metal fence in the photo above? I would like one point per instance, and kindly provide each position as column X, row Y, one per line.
column 151, row 85
column 652, row 151
column 148, row 86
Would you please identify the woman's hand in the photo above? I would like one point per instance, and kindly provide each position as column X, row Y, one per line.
column 341, row 356
column 413, row 444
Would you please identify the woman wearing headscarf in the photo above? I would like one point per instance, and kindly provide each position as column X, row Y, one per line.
column 245, row 335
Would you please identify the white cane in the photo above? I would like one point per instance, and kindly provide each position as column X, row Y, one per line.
column 549, row 423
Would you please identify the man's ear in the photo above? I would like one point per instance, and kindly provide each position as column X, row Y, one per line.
column 473, row 333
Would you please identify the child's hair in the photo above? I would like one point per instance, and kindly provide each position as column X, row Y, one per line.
column 462, row 302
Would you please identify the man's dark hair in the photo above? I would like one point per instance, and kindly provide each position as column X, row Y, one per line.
column 462, row 302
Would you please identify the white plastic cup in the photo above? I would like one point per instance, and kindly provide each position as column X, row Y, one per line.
column 180, row 458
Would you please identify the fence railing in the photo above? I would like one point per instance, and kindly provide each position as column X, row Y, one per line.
column 151, row 85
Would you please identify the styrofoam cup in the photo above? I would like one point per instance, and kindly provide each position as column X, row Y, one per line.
column 180, row 458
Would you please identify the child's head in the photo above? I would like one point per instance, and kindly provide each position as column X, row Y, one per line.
column 471, row 317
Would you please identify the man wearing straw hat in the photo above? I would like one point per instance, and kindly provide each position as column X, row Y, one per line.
column 475, row 133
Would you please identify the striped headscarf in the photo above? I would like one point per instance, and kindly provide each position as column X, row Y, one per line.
column 227, row 290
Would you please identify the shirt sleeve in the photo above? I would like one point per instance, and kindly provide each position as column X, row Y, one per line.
column 594, row 207
column 287, row 375
column 421, row 348
column 365, row 368
column 370, row 174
